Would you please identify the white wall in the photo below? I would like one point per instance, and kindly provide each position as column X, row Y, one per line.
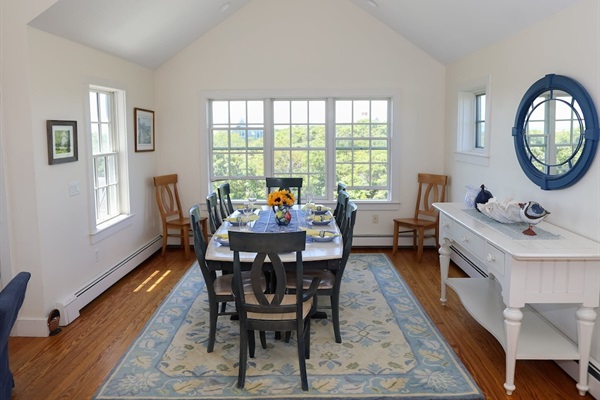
column 310, row 47
column 45, row 77
column 566, row 44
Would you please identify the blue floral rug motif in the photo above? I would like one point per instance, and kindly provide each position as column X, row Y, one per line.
column 390, row 349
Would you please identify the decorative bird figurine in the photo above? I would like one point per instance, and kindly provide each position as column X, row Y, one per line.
column 532, row 213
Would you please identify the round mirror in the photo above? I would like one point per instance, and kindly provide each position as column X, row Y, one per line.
column 556, row 132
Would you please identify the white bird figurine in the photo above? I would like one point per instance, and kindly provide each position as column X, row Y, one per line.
column 532, row 213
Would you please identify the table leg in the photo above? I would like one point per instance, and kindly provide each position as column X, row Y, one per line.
column 444, row 265
column 586, row 317
column 512, row 325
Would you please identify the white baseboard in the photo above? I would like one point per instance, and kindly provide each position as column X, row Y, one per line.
column 70, row 305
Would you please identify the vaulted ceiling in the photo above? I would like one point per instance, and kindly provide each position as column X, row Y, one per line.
column 149, row 32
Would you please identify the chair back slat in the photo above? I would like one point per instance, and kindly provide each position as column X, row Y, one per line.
column 432, row 189
column 167, row 196
column 225, row 204
column 212, row 206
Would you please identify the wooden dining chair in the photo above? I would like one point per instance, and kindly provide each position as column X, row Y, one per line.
column 432, row 189
column 340, row 208
column 218, row 287
column 340, row 187
column 331, row 280
column 225, row 204
column 276, row 311
column 212, row 205
column 293, row 184
column 171, row 215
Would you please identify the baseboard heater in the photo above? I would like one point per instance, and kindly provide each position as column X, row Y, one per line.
column 70, row 306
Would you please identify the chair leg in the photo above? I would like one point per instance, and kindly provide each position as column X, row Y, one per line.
column 302, row 355
column 421, row 234
column 213, row 315
column 263, row 339
column 165, row 238
column 243, row 360
column 251, row 343
column 335, row 314
column 395, row 243
column 185, row 240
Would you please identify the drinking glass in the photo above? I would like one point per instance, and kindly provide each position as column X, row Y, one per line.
column 247, row 211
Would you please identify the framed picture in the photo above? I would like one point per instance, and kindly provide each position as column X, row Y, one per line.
column 144, row 129
column 62, row 141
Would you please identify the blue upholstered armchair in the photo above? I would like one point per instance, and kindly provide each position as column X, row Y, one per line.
column 11, row 299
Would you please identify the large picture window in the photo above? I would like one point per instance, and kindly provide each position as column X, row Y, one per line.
column 322, row 141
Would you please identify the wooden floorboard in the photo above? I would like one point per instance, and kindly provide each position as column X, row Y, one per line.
column 73, row 364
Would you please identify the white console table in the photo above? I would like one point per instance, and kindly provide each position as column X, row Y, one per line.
column 558, row 267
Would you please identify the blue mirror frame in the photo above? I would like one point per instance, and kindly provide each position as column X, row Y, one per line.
column 590, row 133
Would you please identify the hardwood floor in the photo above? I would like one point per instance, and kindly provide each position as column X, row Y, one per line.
column 73, row 364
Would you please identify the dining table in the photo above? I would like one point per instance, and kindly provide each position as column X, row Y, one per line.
column 318, row 254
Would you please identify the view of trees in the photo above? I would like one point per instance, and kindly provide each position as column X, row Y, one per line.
column 299, row 149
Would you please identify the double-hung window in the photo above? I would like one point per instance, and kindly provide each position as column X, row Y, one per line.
column 322, row 140
column 108, row 167
column 473, row 127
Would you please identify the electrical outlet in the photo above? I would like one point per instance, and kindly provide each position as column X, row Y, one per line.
column 375, row 219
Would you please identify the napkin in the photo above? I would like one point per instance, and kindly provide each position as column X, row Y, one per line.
column 252, row 217
column 319, row 218
column 223, row 236
column 316, row 207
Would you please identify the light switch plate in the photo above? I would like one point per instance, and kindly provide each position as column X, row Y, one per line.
column 74, row 188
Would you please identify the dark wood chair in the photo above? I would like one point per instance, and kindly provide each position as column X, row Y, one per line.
column 171, row 215
column 340, row 187
column 432, row 189
column 225, row 204
column 340, row 208
column 214, row 219
column 218, row 287
column 293, row 184
column 276, row 311
column 331, row 280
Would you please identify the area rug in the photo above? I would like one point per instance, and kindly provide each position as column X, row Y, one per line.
column 390, row 349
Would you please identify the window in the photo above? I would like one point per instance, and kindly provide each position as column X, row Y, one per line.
column 480, row 121
column 108, row 166
column 321, row 140
column 362, row 147
column 474, row 122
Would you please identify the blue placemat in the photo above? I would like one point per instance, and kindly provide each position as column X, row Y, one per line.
column 266, row 222
column 514, row 231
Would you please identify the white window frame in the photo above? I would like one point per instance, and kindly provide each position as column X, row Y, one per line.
column 330, row 97
column 466, row 149
column 103, row 229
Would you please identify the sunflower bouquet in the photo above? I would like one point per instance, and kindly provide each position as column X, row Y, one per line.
column 281, row 198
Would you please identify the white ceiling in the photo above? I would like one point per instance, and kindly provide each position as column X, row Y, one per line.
column 149, row 32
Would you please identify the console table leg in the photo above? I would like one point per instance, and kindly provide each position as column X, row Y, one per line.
column 444, row 265
column 585, row 326
column 512, row 326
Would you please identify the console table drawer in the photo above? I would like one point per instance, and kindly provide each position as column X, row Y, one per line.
column 469, row 241
column 445, row 226
column 494, row 258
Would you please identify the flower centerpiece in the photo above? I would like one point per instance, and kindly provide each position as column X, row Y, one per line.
column 281, row 201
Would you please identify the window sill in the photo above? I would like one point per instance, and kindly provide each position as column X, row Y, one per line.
column 111, row 227
column 473, row 158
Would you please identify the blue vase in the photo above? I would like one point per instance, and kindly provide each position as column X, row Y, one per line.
column 283, row 216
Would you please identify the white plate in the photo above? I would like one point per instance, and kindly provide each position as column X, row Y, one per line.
column 327, row 238
column 321, row 222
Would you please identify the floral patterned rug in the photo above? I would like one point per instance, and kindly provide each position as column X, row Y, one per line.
column 390, row 349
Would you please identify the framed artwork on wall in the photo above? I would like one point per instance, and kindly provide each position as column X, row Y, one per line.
column 62, row 141
column 144, row 129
